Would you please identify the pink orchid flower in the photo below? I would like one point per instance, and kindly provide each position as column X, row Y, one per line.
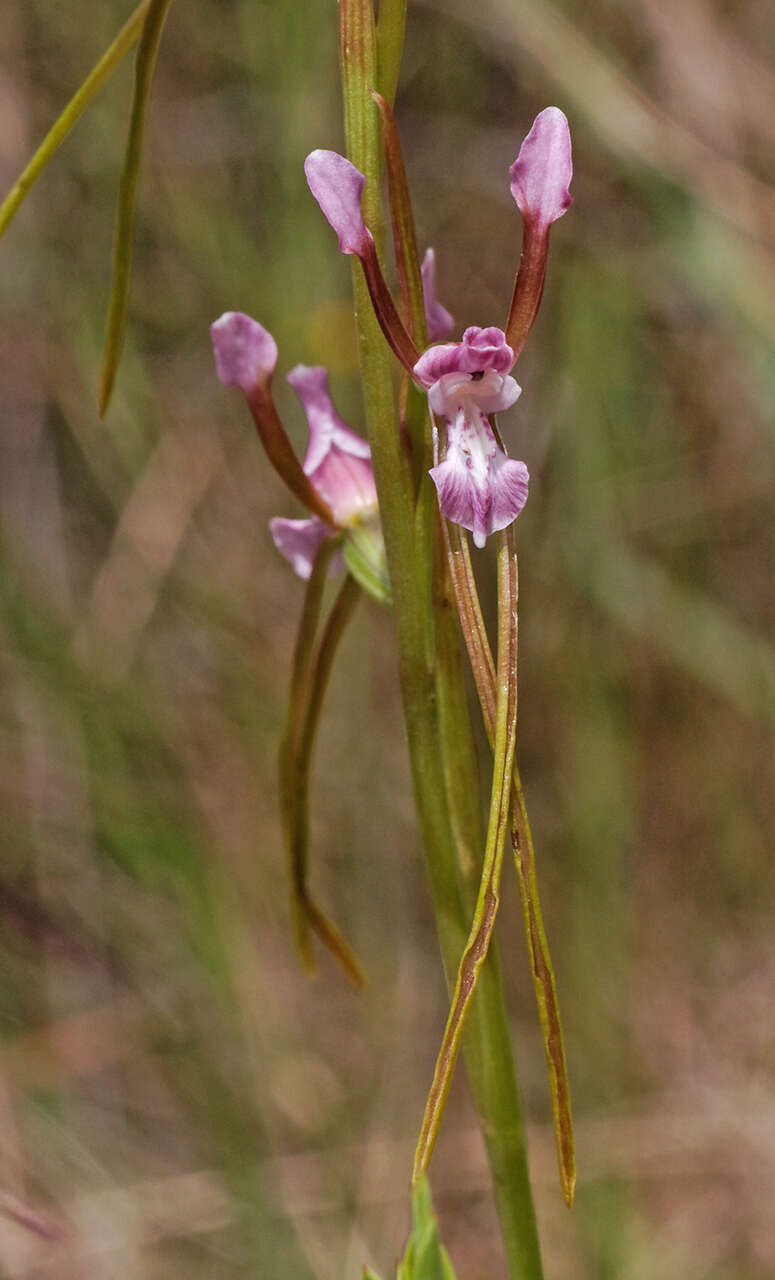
column 467, row 382
column 336, row 480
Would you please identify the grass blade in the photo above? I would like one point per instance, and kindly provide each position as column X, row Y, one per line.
column 75, row 108
column 524, row 860
column 477, row 946
column 125, row 215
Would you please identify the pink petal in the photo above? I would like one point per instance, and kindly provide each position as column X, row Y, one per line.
column 338, row 186
column 480, row 350
column 541, row 173
column 338, row 462
column 325, row 425
column 299, row 541
column 245, row 353
column 479, row 488
column 492, row 393
column 438, row 319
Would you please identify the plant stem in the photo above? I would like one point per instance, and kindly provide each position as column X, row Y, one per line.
column 486, row 1043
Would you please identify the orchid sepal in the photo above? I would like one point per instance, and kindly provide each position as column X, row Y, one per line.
column 540, row 180
column 542, row 172
column 338, row 187
column 245, row 357
column 299, row 541
column 337, row 461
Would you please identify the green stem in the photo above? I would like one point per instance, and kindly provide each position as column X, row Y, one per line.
column 75, row 108
column 486, row 1045
column 311, row 669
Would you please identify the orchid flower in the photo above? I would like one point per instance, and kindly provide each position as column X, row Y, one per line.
column 336, row 480
column 467, row 382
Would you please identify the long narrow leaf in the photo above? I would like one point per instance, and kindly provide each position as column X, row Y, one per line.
column 477, row 946
column 125, row 214
column 72, row 113
column 524, row 859
column 545, row 992
column 311, row 670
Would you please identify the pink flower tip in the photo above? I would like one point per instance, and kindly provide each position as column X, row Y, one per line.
column 541, row 173
column 338, row 186
column 245, row 353
column 299, row 541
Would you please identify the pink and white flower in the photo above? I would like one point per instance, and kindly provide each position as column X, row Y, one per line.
column 478, row 486
column 338, row 463
column 336, row 480
column 467, row 382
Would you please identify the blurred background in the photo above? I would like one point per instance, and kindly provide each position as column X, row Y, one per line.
column 176, row 1099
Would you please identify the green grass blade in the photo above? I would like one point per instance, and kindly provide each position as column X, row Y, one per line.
column 127, row 196
column 75, row 108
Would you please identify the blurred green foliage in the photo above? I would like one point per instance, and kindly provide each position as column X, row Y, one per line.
column 175, row 1098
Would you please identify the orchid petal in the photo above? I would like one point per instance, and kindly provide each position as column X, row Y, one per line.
column 338, row 462
column 485, row 349
column 245, row 353
column 478, row 486
column 326, row 426
column 338, row 186
column 299, row 541
column 480, row 350
column 438, row 319
column 541, row 173
column 492, row 393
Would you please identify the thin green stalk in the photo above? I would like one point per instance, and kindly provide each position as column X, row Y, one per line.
column 311, row 669
column 483, row 922
column 145, row 64
column 72, row 113
column 390, row 43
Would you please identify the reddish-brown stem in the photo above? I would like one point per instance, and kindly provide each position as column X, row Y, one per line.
column 528, row 286
column 282, row 455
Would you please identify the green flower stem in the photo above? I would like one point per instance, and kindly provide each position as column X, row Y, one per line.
column 390, row 43
column 544, row 984
column 487, row 1047
column 72, row 113
column 311, row 668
